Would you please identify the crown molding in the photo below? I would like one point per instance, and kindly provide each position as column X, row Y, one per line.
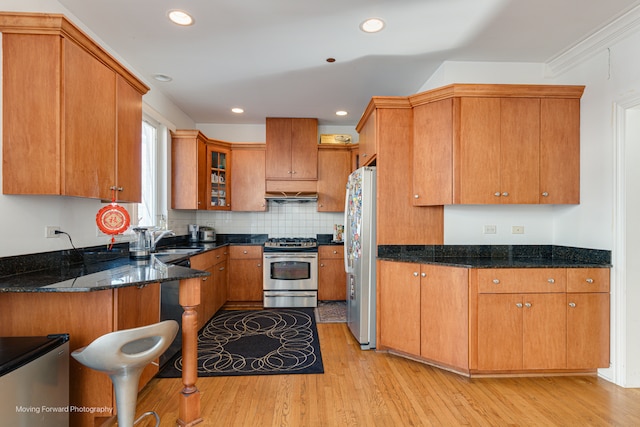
column 618, row 29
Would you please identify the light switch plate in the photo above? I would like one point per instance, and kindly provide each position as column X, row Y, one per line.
column 517, row 229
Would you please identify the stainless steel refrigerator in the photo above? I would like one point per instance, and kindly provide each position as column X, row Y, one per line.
column 360, row 255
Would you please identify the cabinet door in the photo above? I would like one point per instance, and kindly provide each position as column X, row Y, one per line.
column 129, row 152
column 444, row 304
column 479, row 161
column 560, row 151
column 304, row 149
column 189, row 174
column 278, row 150
column 332, row 279
column 544, row 331
column 219, row 178
column 245, row 280
column 500, row 332
column 89, row 125
column 587, row 330
column 367, row 141
column 519, row 150
column 333, row 172
column 248, row 180
column 433, row 153
column 399, row 306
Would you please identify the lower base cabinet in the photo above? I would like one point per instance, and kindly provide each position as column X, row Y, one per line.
column 245, row 273
column 495, row 321
column 213, row 290
column 332, row 279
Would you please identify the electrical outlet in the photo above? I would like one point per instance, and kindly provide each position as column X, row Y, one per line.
column 489, row 229
column 517, row 229
column 50, row 231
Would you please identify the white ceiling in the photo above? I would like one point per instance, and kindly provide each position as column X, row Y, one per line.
column 269, row 56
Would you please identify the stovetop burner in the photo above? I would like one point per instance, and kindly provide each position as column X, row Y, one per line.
column 291, row 243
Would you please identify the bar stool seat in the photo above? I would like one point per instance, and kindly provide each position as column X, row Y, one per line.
column 123, row 355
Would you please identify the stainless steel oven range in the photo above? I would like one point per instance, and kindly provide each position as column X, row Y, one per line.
column 290, row 272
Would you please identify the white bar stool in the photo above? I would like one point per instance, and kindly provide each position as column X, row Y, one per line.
column 123, row 356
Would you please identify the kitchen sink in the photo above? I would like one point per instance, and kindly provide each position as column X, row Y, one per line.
column 178, row 251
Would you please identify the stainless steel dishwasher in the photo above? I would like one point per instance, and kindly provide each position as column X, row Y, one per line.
column 170, row 309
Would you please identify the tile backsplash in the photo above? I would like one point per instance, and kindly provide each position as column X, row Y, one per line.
column 280, row 220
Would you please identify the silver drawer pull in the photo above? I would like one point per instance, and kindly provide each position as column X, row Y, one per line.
column 496, row 281
column 415, row 274
column 527, row 304
column 423, row 274
column 551, row 280
column 519, row 305
column 545, row 194
column 589, row 280
column 572, row 304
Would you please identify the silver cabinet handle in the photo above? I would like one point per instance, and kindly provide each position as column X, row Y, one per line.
column 497, row 194
column 423, row 274
column 496, row 281
column 321, row 265
column 415, row 196
column 415, row 274
column 244, row 252
column 519, row 305
column 551, row 280
column 505, row 194
column 572, row 304
column 335, row 252
column 527, row 304
column 589, row 280
column 259, row 265
column 545, row 194
column 221, row 269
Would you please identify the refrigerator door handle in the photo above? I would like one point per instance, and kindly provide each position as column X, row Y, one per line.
column 347, row 229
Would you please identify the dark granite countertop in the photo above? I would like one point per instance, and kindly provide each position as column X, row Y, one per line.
column 497, row 256
column 96, row 268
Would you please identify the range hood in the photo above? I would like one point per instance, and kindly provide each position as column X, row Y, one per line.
column 291, row 197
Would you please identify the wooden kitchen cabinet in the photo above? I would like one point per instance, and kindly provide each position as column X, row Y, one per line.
column 388, row 121
column 75, row 92
column 291, row 148
column 189, row 170
column 245, row 273
column 423, row 311
column 334, row 167
column 588, row 314
column 497, row 144
column 399, row 306
column 219, row 177
column 213, row 290
column 332, row 278
column 248, row 164
column 367, row 142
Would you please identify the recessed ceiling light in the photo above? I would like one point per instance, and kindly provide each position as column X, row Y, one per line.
column 341, row 113
column 180, row 17
column 237, row 110
column 372, row 25
column 162, row 77
column 331, row 60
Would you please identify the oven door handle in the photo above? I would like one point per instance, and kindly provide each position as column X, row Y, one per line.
column 289, row 294
column 283, row 255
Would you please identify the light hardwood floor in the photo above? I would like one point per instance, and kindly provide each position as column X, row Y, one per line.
column 367, row 388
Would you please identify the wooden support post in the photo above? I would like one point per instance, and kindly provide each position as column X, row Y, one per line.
column 189, row 408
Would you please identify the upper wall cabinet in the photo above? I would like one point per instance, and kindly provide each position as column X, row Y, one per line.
column 70, row 111
column 248, row 177
column 497, row 144
column 292, row 149
column 334, row 167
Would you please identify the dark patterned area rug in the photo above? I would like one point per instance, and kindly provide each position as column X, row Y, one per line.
column 256, row 342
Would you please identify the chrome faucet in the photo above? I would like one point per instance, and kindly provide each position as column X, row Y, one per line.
column 157, row 238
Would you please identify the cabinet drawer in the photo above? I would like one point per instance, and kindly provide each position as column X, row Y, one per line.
column 521, row 280
column 333, row 251
column 588, row 280
column 245, row 252
column 220, row 254
column 205, row 260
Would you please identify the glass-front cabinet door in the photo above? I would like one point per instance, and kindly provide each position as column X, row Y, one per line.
column 219, row 168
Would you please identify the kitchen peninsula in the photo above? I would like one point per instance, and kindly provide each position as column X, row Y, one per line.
column 105, row 292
